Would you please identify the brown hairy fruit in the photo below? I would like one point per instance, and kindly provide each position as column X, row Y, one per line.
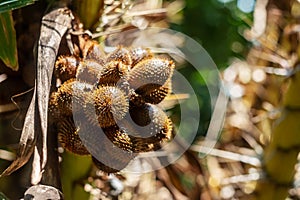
column 152, row 125
column 61, row 101
column 116, row 162
column 89, row 71
column 113, row 95
column 151, row 71
column 66, row 67
column 153, row 93
column 65, row 101
column 113, row 72
column 69, row 138
column 108, row 104
column 118, row 137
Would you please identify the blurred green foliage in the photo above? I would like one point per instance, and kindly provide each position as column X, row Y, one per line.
column 2, row 196
column 7, row 5
column 8, row 42
column 75, row 169
column 218, row 27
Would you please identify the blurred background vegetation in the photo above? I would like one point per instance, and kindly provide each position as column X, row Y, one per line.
column 219, row 26
column 216, row 25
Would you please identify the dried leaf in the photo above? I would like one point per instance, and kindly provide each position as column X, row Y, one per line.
column 34, row 133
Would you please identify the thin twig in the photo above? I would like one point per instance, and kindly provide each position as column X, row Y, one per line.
column 226, row 154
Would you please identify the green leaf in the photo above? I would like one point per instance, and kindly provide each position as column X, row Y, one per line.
column 2, row 196
column 74, row 169
column 7, row 5
column 8, row 42
column 89, row 11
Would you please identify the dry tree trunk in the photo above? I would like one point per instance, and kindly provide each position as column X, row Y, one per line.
column 279, row 48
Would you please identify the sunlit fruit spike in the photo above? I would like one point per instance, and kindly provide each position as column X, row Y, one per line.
column 106, row 105
column 138, row 54
column 117, row 66
column 151, row 71
column 69, row 138
column 113, row 72
column 61, row 101
column 95, row 53
column 121, row 55
column 66, row 67
column 119, row 137
column 89, row 71
column 68, row 99
column 153, row 93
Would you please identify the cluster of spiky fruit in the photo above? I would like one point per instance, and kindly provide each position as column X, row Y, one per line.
column 115, row 97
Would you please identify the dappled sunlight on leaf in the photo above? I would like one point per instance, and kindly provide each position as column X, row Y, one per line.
column 8, row 42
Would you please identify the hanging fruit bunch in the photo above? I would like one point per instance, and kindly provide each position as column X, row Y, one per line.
column 115, row 97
